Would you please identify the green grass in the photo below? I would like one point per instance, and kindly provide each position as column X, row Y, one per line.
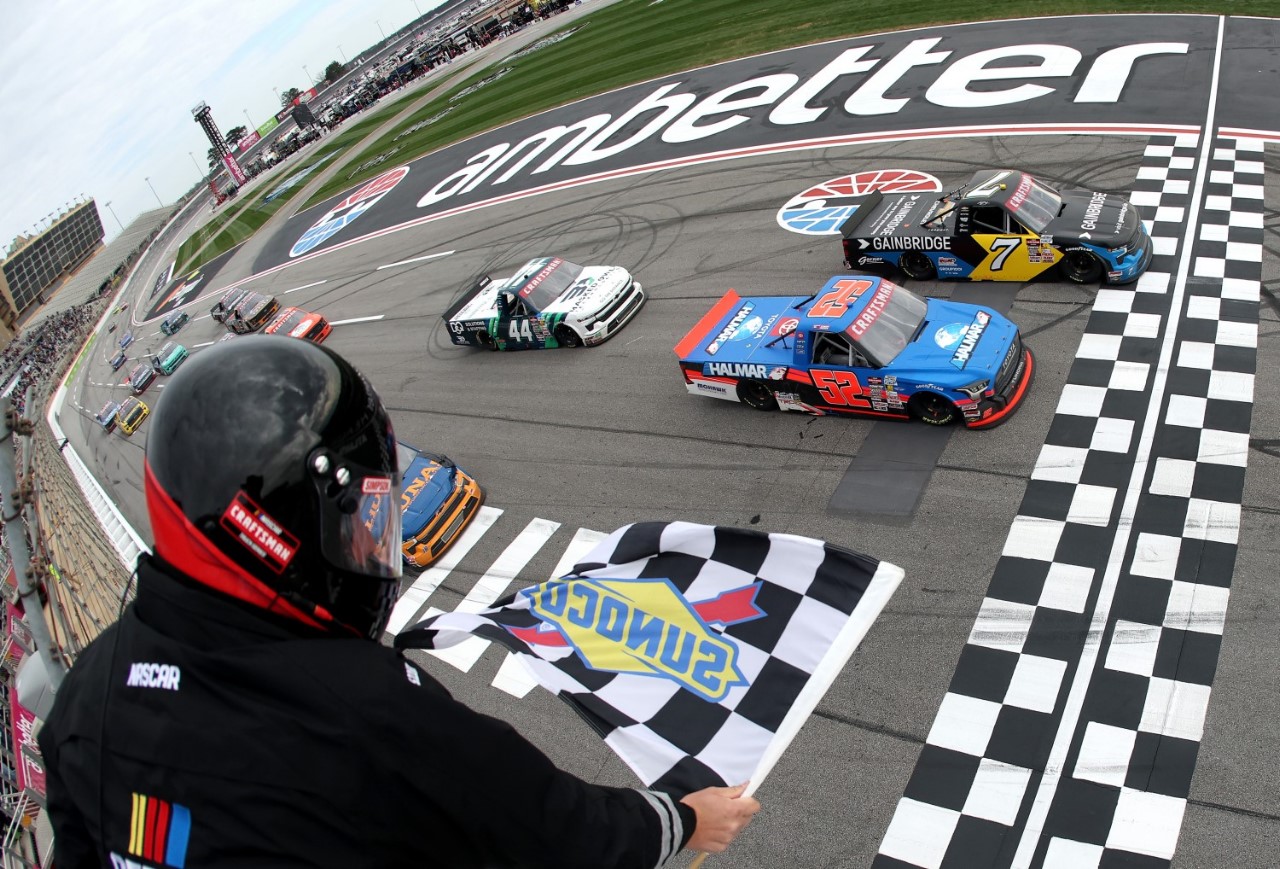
column 635, row 40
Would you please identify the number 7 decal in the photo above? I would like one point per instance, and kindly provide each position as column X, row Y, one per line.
column 1002, row 247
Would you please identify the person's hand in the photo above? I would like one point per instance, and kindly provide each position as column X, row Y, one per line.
column 722, row 813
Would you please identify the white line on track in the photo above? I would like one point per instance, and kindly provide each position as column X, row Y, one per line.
column 490, row 587
column 305, row 287
column 1054, row 767
column 405, row 262
column 205, row 344
column 355, row 320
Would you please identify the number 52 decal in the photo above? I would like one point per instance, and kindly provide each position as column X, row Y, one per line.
column 839, row 387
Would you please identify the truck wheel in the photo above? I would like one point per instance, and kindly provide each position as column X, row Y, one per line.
column 917, row 266
column 567, row 337
column 1081, row 267
column 755, row 394
column 932, row 408
column 486, row 341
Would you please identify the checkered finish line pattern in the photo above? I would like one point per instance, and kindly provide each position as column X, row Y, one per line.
column 1068, row 736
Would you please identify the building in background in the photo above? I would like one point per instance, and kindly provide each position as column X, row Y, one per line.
column 37, row 264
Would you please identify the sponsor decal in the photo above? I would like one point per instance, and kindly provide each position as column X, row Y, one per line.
column 892, row 218
column 730, row 328
column 411, row 674
column 1020, row 193
column 853, row 84
column 143, row 675
column 718, row 389
column 536, row 281
column 645, row 627
column 347, row 210
column 158, row 833
column 786, row 326
column 376, row 486
column 778, row 372
column 1093, row 211
column 736, row 369
column 907, row 242
column 823, row 208
column 947, row 261
column 233, row 169
column 259, row 533
column 970, row 340
column 949, row 336
column 870, row 260
column 869, row 314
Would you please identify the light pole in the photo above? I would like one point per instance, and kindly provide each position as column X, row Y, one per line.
column 196, row 163
column 277, row 90
column 116, row 216
column 344, row 55
column 415, row 6
column 380, row 30
column 247, row 118
column 310, row 80
column 153, row 191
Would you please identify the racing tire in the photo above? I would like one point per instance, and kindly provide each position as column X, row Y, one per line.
column 755, row 394
column 567, row 337
column 1081, row 267
column 487, row 342
column 931, row 408
column 917, row 266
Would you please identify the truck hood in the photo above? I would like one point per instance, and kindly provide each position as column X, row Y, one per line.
column 595, row 288
column 958, row 338
column 1104, row 219
column 419, row 504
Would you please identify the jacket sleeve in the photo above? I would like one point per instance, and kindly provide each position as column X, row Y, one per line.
column 510, row 795
column 73, row 847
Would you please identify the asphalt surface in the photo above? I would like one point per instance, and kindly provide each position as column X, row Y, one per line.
column 601, row 437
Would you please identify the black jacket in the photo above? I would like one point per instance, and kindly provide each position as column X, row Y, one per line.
column 234, row 739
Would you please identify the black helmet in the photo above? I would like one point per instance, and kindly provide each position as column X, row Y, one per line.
column 272, row 476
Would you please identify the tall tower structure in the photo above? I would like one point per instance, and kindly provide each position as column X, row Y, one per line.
column 204, row 117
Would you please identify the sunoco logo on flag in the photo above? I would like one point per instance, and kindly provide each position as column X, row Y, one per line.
column 644, row 626
column 696, row 652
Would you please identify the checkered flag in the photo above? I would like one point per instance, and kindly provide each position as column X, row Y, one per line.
column 696, row 652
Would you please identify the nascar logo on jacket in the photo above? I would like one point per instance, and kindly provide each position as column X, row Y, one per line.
column 645, row 627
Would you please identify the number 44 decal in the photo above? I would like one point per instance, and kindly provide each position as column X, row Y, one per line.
column 1002, row 247
column 520, row 330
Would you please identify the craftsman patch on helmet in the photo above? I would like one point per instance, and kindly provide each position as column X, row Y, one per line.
column 259, row 533
column 646, row 627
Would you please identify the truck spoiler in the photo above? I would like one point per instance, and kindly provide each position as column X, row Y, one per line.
column 865, row 209
column 709, row 321
column 470, row 293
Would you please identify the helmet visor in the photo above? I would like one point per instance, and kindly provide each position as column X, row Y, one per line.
column 363, row 527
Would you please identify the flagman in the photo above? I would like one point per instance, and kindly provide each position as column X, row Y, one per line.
column 243, row 712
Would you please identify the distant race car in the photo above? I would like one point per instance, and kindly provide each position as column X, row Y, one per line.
column 107, row 416
column 125, row 340
column 175, row 321
column 864, row 346
column 297, row 323
column 1003, row 225
column 251, row 313
column 171, row 355
column 550, row 302
column 141, row 377
column 132, row 413
column 226, row 304
column 118, row 360
column 437, row 501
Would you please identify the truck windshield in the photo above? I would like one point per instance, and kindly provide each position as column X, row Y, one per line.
column 543, row 280
column 1034, row 204
column 891, row 326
